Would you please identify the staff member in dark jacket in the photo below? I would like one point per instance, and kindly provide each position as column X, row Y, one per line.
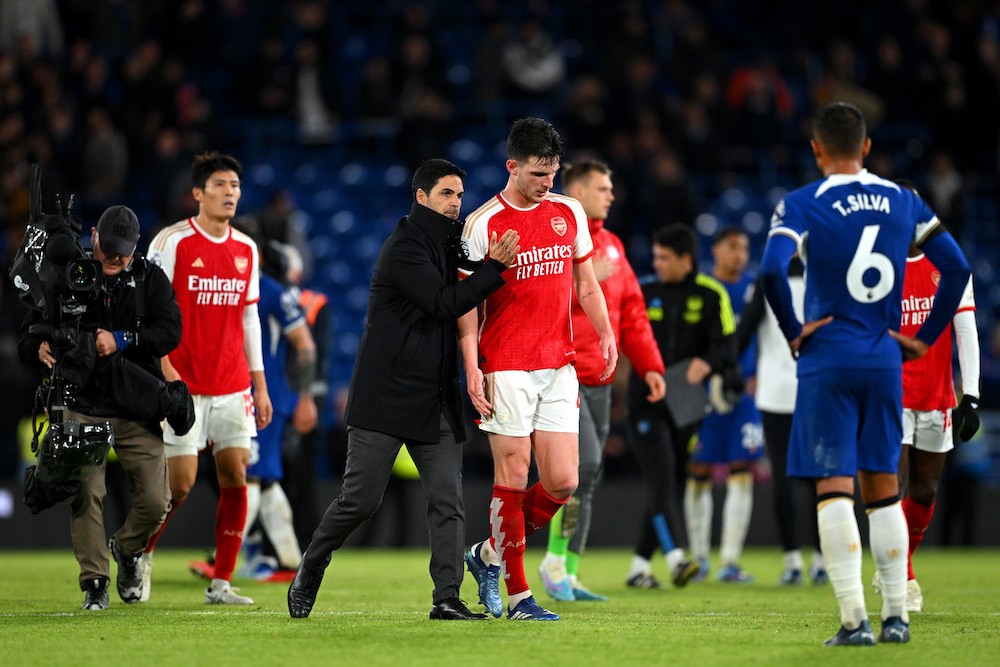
column 694, row 326
column 138, row 320
column 405, row 387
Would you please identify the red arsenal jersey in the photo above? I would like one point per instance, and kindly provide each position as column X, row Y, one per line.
column 526, row 324
column 214, row 279
column 927, row 381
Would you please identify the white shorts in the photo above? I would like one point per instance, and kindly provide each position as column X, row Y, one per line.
column 528, row 401
column 928, row 430
column 226, row 421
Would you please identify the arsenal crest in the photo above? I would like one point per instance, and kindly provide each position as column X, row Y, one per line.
column 559, row 225
column 241, row 264
column 935, row 277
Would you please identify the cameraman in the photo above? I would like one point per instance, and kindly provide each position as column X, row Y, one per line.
column 137, row 316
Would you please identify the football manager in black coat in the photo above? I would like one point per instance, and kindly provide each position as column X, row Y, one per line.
column 405, row 387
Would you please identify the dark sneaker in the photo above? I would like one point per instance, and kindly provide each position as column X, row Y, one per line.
column 177, row 406
column 894, row 631
column 129, row 579
column 859, row 636
column 734, row 574
column 488, row 578
column 454, row 609
column 302, row 593
column 643, row 580
column 528, row 610
column 95, row 594
column 791, row 577
column 684, row 572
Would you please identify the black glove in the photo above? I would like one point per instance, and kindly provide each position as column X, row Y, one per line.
column 965, row 418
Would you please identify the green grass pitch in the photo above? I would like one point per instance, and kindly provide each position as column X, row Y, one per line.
column 372, row 610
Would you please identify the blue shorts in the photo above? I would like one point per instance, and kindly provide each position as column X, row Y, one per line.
column 845, row 421
column 265, row 451
column 735, row 436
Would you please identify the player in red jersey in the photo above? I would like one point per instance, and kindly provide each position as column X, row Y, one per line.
column 590, row 183
column 518, row 355
column 215, row 271
column 928, row 399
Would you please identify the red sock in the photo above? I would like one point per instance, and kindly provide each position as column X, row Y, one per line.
column 507, row 536
column 539, row 508
column 229, row 521
column 159, row 531
column 918, row 518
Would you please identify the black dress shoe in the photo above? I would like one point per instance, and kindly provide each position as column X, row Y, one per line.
column 302, row 592
column 453, row 609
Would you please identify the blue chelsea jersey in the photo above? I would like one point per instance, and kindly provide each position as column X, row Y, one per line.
column 853, row 233
column 279, row 313
column 740, row 294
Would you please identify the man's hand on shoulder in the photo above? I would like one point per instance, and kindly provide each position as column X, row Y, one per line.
column 506, row 248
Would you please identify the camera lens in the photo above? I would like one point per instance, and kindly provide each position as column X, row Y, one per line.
column 82, row 276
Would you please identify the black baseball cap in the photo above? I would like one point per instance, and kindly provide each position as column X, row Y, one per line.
column 118, row 230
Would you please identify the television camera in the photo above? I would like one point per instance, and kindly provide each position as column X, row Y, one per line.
column 55, row 277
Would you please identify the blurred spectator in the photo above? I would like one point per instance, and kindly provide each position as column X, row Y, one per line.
column 945, row 192
column 31, row 27
column 759, row 108
column 315, row 100
column 532, row 61
column 105, row 162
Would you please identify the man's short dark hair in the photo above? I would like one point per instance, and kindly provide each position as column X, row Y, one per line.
column 907, row 184
column 579, row 171
column 534, row 137
column 840, row 127
column 431, row 171
column 679, row 238
column 210, row 162
column 726, row 232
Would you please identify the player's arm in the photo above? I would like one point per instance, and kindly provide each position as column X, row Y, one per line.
column 160, row 330
column 778, row 252
column 753, row 315
column 591, row 299
column 468, row 345
column 255, row 360
column 303, row 375
column 637, row 341
column 941, row 248
column 966, row 415
column 774, row 278
column 412, row 272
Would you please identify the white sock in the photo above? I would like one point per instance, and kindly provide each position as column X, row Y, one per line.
column 840, row 540
column 736, row 517
column 555, row 558
column 253, row 505
column 514, row 600
column 698, row 514
column 793, row 560
column 817, row 562
column 276, row 517
column 219, row 584
column 674, row 558
column 889, row 538
column 640, row 565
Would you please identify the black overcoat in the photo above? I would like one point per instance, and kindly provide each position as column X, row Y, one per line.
column 407, row 364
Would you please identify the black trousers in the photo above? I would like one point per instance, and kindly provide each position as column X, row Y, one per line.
column 777, row 431
column 662, row 451
column 370, row 456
